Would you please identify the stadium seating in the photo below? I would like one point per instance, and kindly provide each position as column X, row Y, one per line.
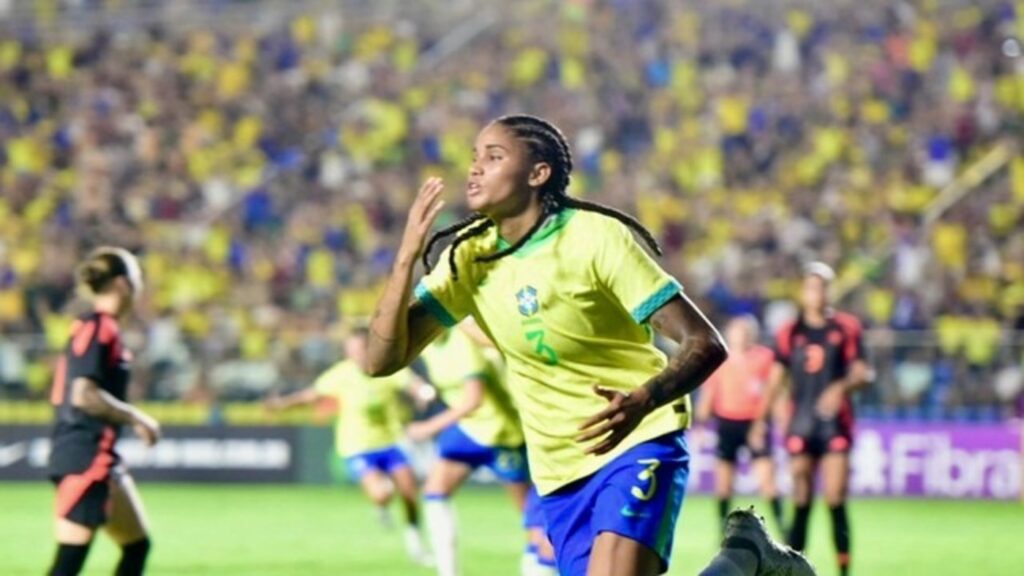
column 263, row 173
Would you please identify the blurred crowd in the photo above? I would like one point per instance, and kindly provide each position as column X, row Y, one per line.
column 263, row 174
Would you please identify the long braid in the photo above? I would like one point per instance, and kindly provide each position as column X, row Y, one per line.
column 475, row 230
column 442, row 234
column 633, row 223
column 549, row 208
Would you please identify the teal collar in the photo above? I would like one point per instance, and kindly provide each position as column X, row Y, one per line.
column 548, row 232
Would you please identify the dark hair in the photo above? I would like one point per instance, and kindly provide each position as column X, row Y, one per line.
column 360, row 331
column 100, row 268
column 545, row 143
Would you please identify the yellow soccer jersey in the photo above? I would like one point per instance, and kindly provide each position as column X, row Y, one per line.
column 453, row 359
column 568, row 311
column 369, row 412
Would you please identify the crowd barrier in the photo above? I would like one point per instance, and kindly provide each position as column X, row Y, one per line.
column 930, row 460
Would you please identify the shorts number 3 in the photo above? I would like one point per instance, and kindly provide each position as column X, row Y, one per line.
column 646, row 475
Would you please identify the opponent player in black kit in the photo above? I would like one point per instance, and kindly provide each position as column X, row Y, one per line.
column 88, row 395
column 823, row 354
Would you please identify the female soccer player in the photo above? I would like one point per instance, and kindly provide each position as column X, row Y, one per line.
column 570, row 298
column 89, row 390
column 366, row 432
column 823, row 354
column 479, row 428
column 732, row 397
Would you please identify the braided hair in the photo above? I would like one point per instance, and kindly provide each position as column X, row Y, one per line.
column 545, row 143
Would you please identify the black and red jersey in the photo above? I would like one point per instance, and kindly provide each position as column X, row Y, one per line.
column 816, row 357
column 82, row 443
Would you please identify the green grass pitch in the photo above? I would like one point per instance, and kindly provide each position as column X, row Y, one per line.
column 286, row 530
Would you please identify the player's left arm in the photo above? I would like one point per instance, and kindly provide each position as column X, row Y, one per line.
column 472, row 397
column 701, row 351
column 858, row 374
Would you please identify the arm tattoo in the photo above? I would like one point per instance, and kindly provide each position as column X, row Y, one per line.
column 699, row 355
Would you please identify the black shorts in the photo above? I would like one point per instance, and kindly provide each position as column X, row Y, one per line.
column 85, row 499
column 732, row 435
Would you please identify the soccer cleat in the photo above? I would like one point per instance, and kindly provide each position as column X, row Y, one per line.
column 746, row 530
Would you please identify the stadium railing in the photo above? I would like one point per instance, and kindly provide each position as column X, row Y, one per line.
column 917, row 376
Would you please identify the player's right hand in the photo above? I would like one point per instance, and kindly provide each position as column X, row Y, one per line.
column 424, row 211
column 147, row 428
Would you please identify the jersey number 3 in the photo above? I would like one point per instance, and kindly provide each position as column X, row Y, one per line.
column 536, row 337
column 814, row 358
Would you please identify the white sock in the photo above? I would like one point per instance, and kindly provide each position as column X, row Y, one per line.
column 441, row 525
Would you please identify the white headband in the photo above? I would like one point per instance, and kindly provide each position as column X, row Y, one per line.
column 132, row 269
column 821, row 270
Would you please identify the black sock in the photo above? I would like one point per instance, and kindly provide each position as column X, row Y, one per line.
column 776, row 506
column 841, row 537
column 69, row 560
column 723, row 511
column 133, row 558
column 798, row 531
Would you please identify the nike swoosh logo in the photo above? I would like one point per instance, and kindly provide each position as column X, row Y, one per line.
column 630, row 513
column 11, row 454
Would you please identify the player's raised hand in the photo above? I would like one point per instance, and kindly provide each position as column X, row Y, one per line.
column 424, row 211
column 622, row 416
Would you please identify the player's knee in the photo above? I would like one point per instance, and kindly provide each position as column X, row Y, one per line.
column 437, row 489
column 379, row 494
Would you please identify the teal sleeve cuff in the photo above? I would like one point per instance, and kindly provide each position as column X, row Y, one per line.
column 432, row 305
column 649, row 306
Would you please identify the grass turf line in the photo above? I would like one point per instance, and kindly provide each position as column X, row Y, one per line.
column 289, row 530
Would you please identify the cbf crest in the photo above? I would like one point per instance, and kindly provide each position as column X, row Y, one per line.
column 527, row 300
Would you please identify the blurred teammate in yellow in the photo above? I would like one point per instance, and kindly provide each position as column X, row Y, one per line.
column 480, row 427
column 367, row 432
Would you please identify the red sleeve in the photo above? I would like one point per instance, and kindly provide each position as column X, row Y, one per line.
column 853, row 341
column 91, row 353
column 784, row 343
